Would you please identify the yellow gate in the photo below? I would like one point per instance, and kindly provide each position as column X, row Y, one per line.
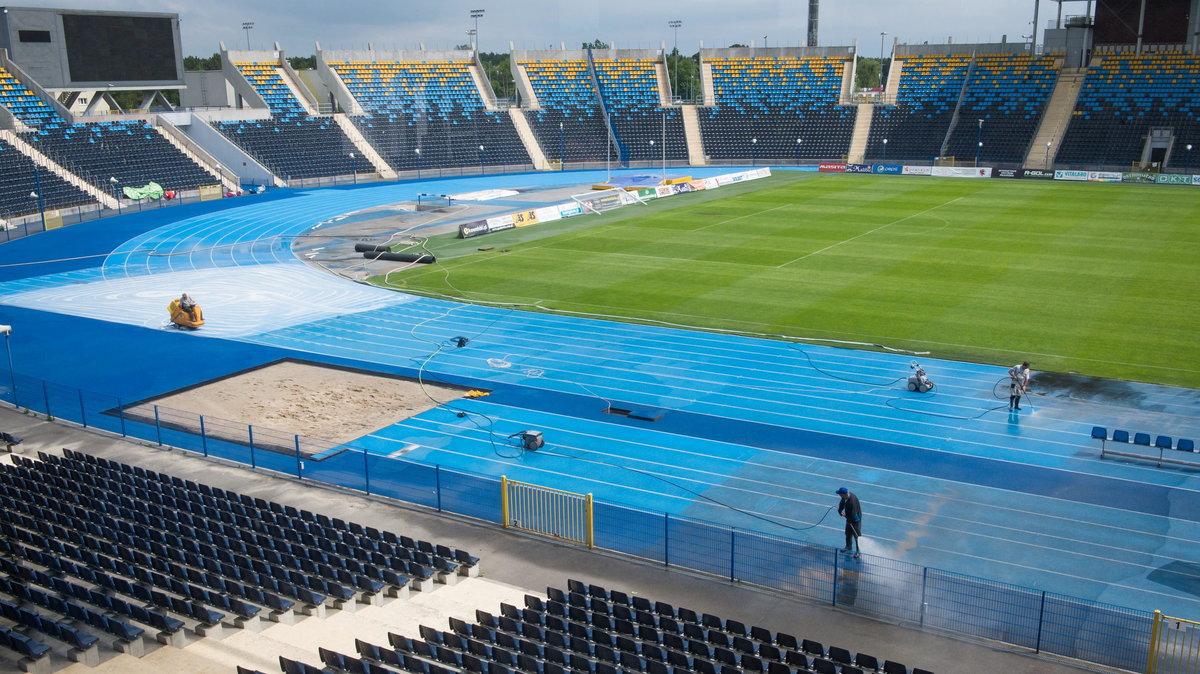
column 550, row 512
column 1174, row 646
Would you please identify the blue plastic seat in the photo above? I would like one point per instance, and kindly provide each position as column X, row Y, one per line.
column 1141, row 439
column 1186, row 445
column 1120, row 436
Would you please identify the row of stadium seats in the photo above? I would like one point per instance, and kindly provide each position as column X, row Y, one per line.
column 596, row 631
column 1009, row 93
column 123, row 549
column 133, row 152
column 436, row 108
column 1124, row 97
column 926, row 98
column 18, row 181
column 568, row 123
column 630, row 90
column 764, row 105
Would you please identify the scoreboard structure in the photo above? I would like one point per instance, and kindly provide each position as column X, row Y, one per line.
column 82, row 50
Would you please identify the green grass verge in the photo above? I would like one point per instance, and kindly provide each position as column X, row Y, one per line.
column 1099, row 279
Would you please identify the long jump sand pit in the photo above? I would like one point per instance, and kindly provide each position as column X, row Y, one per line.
column 291, row 398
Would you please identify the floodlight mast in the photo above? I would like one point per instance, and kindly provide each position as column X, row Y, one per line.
column 246, row 26
column 476, row 14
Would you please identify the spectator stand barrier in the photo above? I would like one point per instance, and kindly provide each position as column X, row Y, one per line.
column 1024, row 617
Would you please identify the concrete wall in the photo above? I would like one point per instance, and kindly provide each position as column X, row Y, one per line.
column 950, row 49
column 206, row 89
column 229, row 155
column 748, row 52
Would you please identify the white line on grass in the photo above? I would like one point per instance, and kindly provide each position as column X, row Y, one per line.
column 859, row 236
column 748, row 215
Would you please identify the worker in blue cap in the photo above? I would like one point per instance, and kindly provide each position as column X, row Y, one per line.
column 849, row 508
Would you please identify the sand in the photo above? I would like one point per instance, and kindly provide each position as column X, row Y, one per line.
column 309, row 399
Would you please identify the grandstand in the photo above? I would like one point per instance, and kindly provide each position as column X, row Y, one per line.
column 118, row 554
column 787, row 105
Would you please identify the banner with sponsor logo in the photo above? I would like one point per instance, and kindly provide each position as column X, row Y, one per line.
column 1104, row 177
column 1173, row 179
column 917, row 170
column 961, row 172
column 1196, row 180
column 1008, row 173
column 1137, row 177
column 488, row 226
column 890, row 169
column 1070, row 175
column 547, row 213
column 698, row 185
column 664, row 191
column 858, row 168
column 570, row 210
column 831, row 167
column 1038, row 174
column 711, row 183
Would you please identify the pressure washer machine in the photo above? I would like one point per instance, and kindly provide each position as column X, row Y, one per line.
column 918, row 380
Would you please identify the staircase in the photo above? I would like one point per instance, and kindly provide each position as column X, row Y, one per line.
column 47, row 163
column 367, row 151
column 528, row 139
column 893, row 82
column 862, row 131
column 288, row 76
column 483, row 87
column 691, row 131
column 525, row 89
column 664, row 84
column 1055, row 119
column 710, row 95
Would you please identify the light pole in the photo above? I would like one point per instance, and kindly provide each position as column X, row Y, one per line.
column 885, row 149
column 481, row 159
column 562, row 148
column 882, row 79
column 650, row 161
column 246, row 26
column 116, row 191
column 418, row 153
column 354, row 168
column 799, row 141
column 754, row 152
column 6, row 330
column 471, row 37
column 979, row 143
column 1189, row 163
column 1048, row 154
column 675, row 25
column 475, row 14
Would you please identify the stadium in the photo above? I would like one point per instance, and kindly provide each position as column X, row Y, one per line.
column 397, row 361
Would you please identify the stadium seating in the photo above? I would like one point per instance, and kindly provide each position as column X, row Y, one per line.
column 133, row 152
column 630, row 90
column 115, row 546
column 569, row 123
column 26, row 105
column 788, row 105
column 290, row 143
column 431, row 105
column 1123, row 97
column 1008, row 92
column 18, row 181
column 926, row 97
column 590, row 629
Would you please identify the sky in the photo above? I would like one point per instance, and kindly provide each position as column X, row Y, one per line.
column 539, row 24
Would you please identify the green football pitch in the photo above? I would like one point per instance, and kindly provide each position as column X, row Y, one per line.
column 1098, row 279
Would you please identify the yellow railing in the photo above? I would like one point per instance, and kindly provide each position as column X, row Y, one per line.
column 1174, row 646
column 550, row 512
